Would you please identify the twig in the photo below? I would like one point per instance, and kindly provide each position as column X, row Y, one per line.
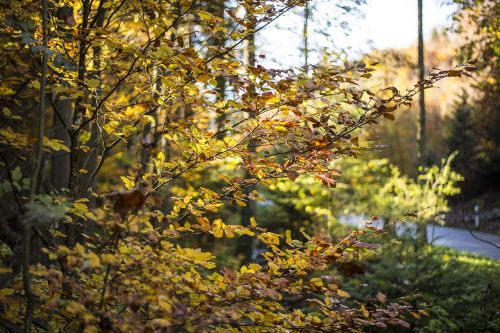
column 469, row 229
column 106, row 277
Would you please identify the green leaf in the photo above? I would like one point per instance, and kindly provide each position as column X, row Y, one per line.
column 93, row 83
column 16, row 174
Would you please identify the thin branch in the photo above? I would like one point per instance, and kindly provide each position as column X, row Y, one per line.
column 469, row 229
column 105, row 284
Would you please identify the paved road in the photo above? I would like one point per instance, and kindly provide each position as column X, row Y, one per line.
column 462, row 240
column 458, row 239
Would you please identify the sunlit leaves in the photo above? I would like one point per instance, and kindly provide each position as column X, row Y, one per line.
column 145, row 107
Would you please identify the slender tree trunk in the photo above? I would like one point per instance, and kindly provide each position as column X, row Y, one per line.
column 28, row 316
column 421, row 234
column 41, row 103
column 217, row 9
column 94, row 142
column 59, row 171
column 62, row 106
column 421, row 133
column 79, row 103
column 245, row 245
column 305, row 33
column 73, row 232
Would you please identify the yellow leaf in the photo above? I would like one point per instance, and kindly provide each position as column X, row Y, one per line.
column 75, row 308
column 4, row 270
column 161, row 157
column 269, row 238
column 255, row 267
column 343, row 293
column 240, row 202
column 108, row 259
column 229, row 233
column 6, row 292
column 55, row 145
column 128, row 182
column 218, row 232
column 80, row 206
column 204, row 15
column 84, row 136
column 253, row 223
column 164, row 305
column 204, row 78
column 161, row 322
column 317, row 282
column 364, row 311
column 79, row 249
column 93, row 260
column 111, row 126
column 288, row 234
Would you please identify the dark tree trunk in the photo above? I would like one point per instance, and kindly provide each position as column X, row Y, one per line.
column 245, row 245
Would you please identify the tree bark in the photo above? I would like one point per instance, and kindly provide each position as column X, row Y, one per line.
column 26, row 239
column 79, row 103
column 62, row 106
column 245, row 245
column 59, row 172
column 305, row 35
column 217, row 8
column 421, row 133
column 94, row 141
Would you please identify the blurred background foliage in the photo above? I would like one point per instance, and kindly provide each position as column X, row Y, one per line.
column 459, row 291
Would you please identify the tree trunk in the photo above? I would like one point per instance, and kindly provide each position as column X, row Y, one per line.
column 245, row 245
column 62, row 107
column 79, row 110
column 217, row 8
column 94, row 141
column 421, row 133
column 305, row 35
column 28, row 315
column 59, row 171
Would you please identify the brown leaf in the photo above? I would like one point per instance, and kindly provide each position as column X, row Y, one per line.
column 327, row 181
column 292, row 175
column 381, row 297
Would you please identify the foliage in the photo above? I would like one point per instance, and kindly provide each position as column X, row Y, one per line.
column 399, row 66
column 134, row 99
column 422, row 277
column 478, row 24
column 373, row 188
